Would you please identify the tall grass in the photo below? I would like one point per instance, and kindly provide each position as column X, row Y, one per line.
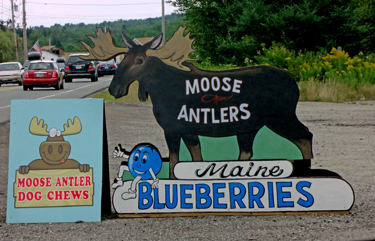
column 131, row 97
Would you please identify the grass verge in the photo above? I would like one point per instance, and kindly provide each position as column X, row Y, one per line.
column 333, row 91
column 132, row 96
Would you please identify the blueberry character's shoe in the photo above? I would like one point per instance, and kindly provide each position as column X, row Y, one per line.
column 117, row 183
column 130, row 194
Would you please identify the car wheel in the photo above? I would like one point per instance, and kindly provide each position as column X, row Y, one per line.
column 68, row 79
column 31, row 88
column 0, row 84
column 93, row 79
column 19, row 83
column 24, row 88
column 57, row 86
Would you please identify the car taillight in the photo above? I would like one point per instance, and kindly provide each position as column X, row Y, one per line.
column 90, row 66
column 67, row 67
column 54, row 75
column 99, row 66
column 26, row 74
column 113, row 66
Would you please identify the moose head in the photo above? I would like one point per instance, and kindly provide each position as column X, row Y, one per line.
column 55, row 150
column 139, row 60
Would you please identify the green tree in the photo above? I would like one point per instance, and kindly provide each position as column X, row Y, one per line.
column 363, row 23
column 211, row 22
column 229, row 31
column 7, row 50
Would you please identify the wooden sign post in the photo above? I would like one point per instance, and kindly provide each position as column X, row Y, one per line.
column 222, row 129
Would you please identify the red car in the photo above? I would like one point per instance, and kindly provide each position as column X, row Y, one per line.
column 43, row 74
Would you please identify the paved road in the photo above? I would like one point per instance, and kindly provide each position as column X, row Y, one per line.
column 79, row 88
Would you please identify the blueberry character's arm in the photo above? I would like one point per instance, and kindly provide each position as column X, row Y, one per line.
column 120, row 152
column 156, row 181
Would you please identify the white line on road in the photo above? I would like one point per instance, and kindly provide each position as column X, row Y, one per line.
column 3, row 107
column 7, row 106
column 45, row 97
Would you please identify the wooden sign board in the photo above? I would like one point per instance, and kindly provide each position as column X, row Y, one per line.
column 223, row 130
column 58, row 174
column 236, row 196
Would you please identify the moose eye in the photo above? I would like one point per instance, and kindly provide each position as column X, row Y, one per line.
column 50, row 149
column 136, row 156
column 60, row 149
column 52, row 132
column 140, row 61
column 144, row 159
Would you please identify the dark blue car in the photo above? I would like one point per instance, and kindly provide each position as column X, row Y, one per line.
column 107, row 68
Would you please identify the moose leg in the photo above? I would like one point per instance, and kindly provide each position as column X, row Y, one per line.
column 173, row 142
column 245, row 143
column 292, row 129
column 193, row 144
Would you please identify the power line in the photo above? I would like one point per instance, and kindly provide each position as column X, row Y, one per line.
column 94, row 5
column 75, row 16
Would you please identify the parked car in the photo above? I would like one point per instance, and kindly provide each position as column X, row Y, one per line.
column 107, row 68
column 11, row 73
column 78, row 68
column 43, row 74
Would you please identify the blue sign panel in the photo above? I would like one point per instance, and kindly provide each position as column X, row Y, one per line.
column 55, row 161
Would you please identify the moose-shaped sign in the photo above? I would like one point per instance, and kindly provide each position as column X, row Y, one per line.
column 201, row 108
column 188, row 101
column 55, row 150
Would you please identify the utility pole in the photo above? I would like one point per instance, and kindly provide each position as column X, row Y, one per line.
column 162, row 21
column 24, row 30
column 14, row 30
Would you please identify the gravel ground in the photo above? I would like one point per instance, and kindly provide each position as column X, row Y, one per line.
column 344, row 140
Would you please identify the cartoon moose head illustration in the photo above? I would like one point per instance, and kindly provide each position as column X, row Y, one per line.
column 55, row 150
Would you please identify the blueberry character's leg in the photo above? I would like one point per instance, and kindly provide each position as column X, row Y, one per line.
column 132, row 191
column 118, row 180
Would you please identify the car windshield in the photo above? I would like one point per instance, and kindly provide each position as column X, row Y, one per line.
column 26, row 64
column 61, row 65
column 41, row 66
column 107, row 62
column 7, row 67
column 76, row 60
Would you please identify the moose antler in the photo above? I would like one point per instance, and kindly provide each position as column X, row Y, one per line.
column 104, row 46
column 72, row 128
column 176, row 50
column 36, row 128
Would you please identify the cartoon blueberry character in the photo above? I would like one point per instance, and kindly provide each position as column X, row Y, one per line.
column 143, row 162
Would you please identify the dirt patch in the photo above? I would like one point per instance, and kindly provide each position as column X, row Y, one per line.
column 344, row 141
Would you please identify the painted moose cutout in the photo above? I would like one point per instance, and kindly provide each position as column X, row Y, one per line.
column 188, row 101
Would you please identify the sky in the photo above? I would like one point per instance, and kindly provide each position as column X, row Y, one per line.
column 50, row 12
